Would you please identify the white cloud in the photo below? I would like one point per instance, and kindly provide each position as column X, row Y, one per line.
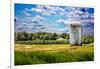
column 85, row 15
column 27, row 23
column 70, row 13
column 38, row 19
column 36, row 10
column 26, row 13
column 46, row 10
column 65, row 22
column 36, row 23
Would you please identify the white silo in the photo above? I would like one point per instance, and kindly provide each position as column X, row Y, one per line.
column 75, row 33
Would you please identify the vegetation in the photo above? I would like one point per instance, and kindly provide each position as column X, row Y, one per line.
column 44, row 48
column 23, row 36
column 42, row 42
column 47, row 38
column 86, row 39
column 54, row 53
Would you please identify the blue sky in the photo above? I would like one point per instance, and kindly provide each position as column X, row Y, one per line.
column 48, row 18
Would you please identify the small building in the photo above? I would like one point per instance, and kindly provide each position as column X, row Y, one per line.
column 61, row 39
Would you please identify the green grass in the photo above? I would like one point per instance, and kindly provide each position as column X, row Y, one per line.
column 54, row 53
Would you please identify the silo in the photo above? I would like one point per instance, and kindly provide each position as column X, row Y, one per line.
column 75, row 33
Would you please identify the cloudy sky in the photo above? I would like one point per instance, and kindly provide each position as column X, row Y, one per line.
column 48, row 18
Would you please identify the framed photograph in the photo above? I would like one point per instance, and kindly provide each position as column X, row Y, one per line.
column 47, row 32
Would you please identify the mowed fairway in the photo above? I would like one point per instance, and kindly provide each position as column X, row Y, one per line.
column 52, row 53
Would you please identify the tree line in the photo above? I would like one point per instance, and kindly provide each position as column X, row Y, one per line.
column 40, row 38
column 47, row 38
column 24, row 36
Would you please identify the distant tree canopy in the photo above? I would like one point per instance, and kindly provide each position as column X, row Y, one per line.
column 23, row 36
column 86, row 39
column 47, row 38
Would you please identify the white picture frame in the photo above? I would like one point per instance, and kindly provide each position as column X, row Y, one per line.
column 78, row 3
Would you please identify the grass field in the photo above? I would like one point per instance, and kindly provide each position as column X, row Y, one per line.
column 52, row 53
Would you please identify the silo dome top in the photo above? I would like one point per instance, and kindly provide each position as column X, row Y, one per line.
column 75, row 24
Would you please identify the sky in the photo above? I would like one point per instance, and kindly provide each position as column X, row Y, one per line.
column 50, row 18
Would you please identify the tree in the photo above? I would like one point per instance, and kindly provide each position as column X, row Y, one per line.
column 64, row 35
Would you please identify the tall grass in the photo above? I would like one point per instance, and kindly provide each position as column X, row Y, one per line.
column 55, row 53
column 25, row 58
